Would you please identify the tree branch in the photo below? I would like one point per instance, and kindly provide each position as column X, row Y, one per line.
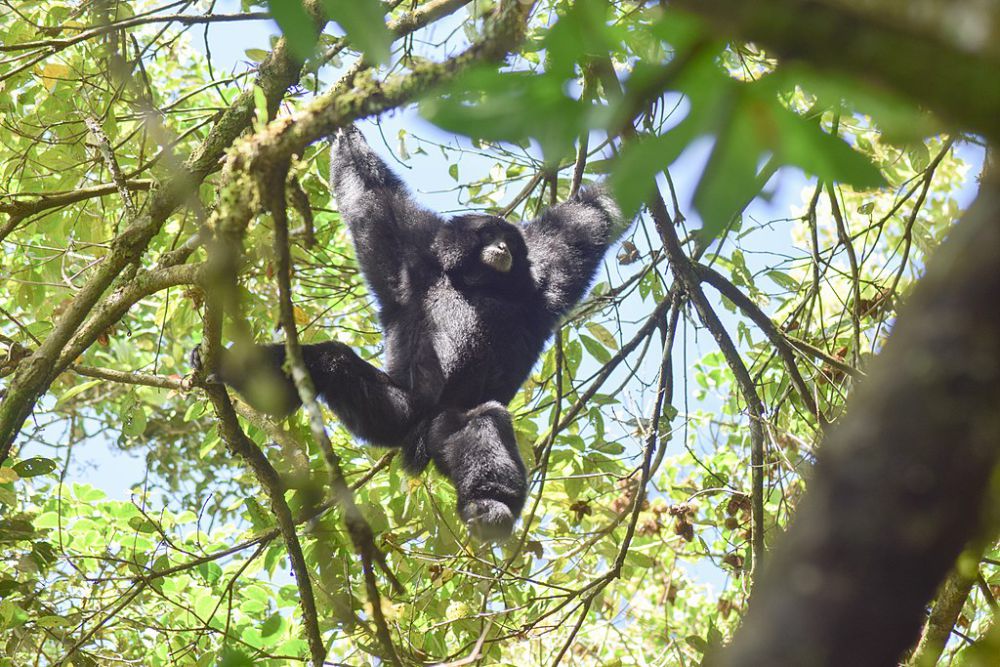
column 286, row 137
column 273, row 189
column 956, row 82
column 764, row 323
column 238, row 443
column 945, row 612
column 684, row 269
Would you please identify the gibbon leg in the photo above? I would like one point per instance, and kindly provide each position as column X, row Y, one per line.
column 364, row 398
column 477, row 450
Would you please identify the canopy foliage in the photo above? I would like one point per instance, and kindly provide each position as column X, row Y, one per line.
column 786, row 203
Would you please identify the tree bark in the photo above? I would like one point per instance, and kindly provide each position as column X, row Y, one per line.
column 944, row 615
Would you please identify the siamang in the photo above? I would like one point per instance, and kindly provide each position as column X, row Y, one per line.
column 466, row 306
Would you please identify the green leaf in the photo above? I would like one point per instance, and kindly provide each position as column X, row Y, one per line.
column 260, row 111
column 135, row 421
column 640, row 558
column 34, row 467
column 256, row 55
column 76, row 391
column 195, row 410
column 16, row 529
column 209, row 445
column 271, row 625
column 599, row 166
column 729, row 181
column 697, row 643
column 602, row 334
column 900, row 120
column 486, row 104
column 141, row 524
column 210, row 571
column 259, row 517
column 741, row 273
column 296, row 26
column 580, row 35
column 748, row 123
column 679, row 28
column 232, row 657
column 52, row 622
column 29, row 295
column 88, row 494
column 805, row 145
column 784, row 280
column 919, row 154
column 364, row 23
column 634, row 172
column 596, row 350
column 11, row 615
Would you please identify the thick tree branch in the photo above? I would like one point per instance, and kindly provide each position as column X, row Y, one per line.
column 286, row 137
column 945, row 612
column 958, row 84
column 21, row 207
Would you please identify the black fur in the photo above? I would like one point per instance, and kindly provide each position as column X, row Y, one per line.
column 460, row 337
